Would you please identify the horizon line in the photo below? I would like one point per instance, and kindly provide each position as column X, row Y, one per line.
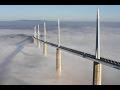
column 56, row 20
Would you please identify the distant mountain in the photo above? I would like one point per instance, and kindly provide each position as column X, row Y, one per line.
column 21, row 24
column 29, row 24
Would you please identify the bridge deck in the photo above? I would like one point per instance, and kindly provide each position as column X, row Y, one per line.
column 102, row 60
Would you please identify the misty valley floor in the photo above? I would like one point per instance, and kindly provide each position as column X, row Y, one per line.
column 23, row 63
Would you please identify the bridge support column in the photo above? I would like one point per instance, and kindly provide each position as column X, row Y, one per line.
column 97, row 67
column 38, row 43
column 97, row 73
column 33, row 40
column 44, row 49
column 35, row 35
column 58, row 62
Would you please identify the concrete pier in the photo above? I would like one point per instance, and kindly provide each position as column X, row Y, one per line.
column 38, row 42
column 35, row 35
column 44, row 49
column 97, row 73
column 58, row 62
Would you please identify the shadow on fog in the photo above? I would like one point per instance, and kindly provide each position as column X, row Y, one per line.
column 4, row 66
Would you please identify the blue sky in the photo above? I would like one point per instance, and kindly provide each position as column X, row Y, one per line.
column 64, row 12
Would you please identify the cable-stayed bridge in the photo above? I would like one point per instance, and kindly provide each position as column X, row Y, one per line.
column 97, row 59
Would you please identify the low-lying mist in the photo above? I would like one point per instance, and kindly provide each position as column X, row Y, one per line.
column 22, row 62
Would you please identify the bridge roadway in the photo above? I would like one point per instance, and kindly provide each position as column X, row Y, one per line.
column 108, row 62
